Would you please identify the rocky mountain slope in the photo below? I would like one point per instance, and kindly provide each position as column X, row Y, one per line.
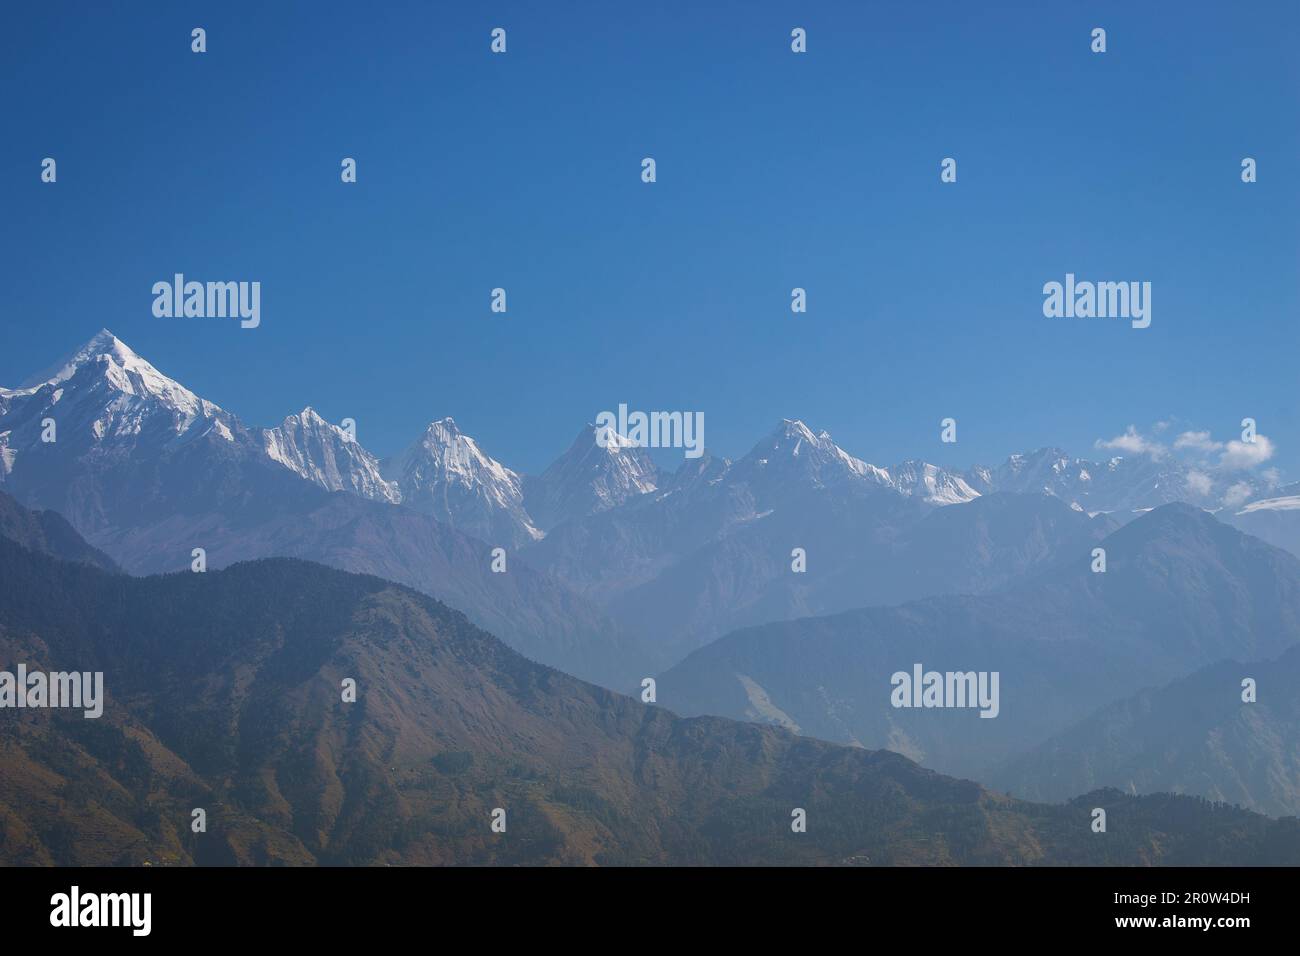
column 1195, row 735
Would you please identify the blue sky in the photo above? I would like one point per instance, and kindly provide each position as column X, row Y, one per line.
column 774, row 171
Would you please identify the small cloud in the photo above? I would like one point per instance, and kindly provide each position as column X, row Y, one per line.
column 1238, row 455
column 1133, row 443
column 1199, row 482
column 1197, row 441
column 1237, row 494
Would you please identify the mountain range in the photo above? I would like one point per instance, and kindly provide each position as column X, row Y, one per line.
column 781, row 588
column 1194, row 735
column 148, row 472
column 1181, row 590
column 227, row 693
column 128, row 405
column 615, row 569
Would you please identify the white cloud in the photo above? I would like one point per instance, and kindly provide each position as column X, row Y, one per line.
column 1199, row 482
column 1237, row 494
column 1206, row 463
column 1240, row 454
column 1198, row 441
column 1133, row 443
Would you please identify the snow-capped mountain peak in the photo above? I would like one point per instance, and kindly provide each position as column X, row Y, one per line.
column 601, row 470
column 105, row 411
column 793, row 451
column 104, row 390
column 608, row 439
column 792, row 429
column 327, row 455
column 126, row 372
column 103, row 343
column 930, row 483
column 454, row 456
column 445, row 473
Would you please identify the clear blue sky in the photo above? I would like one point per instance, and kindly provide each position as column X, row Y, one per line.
column 775, row 170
